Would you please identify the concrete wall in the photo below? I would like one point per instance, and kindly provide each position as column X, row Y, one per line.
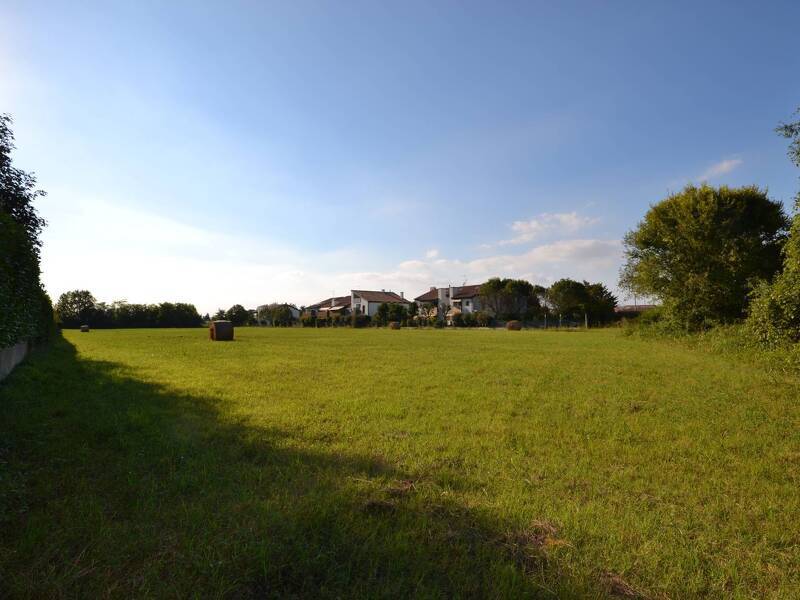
column 10, row 357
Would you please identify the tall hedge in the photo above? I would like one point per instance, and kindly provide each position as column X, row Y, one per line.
column 26, row 312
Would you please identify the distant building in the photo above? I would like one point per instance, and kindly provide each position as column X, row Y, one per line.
column 465, row 298
column 363, row 302
column 366, row 302
column 632, row 310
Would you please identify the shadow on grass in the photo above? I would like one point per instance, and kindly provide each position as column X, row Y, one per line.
column 117, row 487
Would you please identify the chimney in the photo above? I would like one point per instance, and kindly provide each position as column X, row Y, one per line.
column 402, row 296
column 333, row 302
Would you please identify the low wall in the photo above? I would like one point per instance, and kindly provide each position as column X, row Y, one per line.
column 10, row 357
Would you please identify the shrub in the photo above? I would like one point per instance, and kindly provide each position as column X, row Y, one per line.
column 699, row 250
column 457, row 320
column 483, row 319
column 470, row 320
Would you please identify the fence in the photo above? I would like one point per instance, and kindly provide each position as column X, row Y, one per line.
column 10, row 357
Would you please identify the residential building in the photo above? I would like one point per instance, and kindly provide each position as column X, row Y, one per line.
column 465, row 298
column 366, row 302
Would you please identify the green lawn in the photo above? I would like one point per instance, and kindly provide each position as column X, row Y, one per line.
column 376, row 463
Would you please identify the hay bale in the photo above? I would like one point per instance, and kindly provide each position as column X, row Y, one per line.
column 394, row 325
column 221, row 331
column 84, row 328
column 514, row 325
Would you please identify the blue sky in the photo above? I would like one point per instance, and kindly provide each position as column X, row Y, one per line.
column 254, row 152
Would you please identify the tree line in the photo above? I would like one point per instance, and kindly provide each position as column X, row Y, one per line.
column 79, row 307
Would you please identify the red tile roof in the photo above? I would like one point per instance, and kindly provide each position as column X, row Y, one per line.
column 388, row 297
column 466, row 291
column 428, row 296
column 459, row 293
column 337, row 301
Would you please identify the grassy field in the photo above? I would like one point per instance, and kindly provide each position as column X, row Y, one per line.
column 376, row 463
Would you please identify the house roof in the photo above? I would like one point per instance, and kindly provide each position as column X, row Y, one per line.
column 460, row 292
column 343, row 301
column 388, row 297
column 428, row 296
column 466, row 291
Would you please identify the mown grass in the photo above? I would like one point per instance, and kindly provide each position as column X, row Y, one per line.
column 364, row 463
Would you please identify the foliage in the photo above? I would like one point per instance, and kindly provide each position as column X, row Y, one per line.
column 700, row 250
column 76, row 308
column 238, row 315
column 575, row 299
column 774, row 317
column 483, row 319
column 79, row 307
column 26, row 309
column 276, row 314
column 398, row 313
column 511, row 298
column 381, row 315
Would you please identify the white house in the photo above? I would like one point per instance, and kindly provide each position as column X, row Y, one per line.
column 366, row 302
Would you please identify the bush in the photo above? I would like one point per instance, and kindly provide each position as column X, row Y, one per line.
column 360, row 320
column 470, row 320
column 457, row 320
column 483, row 319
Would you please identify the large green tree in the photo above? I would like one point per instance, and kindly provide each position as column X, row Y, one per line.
column 238, row 315
column 775, row 311
column 700, row 250
column 76, row 308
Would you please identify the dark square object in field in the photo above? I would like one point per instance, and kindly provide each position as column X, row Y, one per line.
column 513, row 325
column 84, row 328
column 221, row 331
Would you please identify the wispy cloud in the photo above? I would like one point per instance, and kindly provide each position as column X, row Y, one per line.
column 721, row 168
column 546, row 224
column 150, row 258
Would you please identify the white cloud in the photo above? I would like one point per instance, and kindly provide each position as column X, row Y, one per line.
column 721, row 168
column 123, row 253
column 546, row 224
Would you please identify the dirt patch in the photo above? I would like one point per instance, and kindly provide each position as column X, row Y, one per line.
column 401, row 488
column 619, row 588
column 529, row 546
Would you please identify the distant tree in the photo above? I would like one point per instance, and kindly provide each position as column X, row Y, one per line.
column 412, row 310
column 568, row 298
column 699, row 251
column 76, row 308
column 600, row 303
column 397, row 312
column 281, row 316
column 510, row 298
column 238, row 315
column 492, row 295
column 206, row 318
column 382, row 314
column 220, row 315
